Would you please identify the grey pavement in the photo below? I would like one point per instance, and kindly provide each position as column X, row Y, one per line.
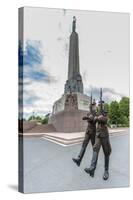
column 48, row 167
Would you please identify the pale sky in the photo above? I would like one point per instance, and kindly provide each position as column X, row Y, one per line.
column 103, row 49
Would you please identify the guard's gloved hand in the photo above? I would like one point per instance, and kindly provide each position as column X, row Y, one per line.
column 100, row 117
column 95, row 118
column 91, row 117
column 85, row 118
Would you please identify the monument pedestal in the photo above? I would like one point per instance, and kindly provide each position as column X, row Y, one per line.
column 68, row 113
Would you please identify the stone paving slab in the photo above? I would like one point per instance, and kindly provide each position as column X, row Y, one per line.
column 48, row 167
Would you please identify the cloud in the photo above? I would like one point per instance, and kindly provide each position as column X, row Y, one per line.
column 30, row 100
column 33, row 76
column 27, row 97
column 109, row 94
column 85, row 75
column 64, row 45
column 112, row 91
column 40, row 76
column 31, row 55
column 30, row 63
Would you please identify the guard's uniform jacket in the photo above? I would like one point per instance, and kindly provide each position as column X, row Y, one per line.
column 102, row 135
column 91, row 129
column 102, row 129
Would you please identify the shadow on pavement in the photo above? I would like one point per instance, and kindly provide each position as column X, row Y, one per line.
column 13, row 187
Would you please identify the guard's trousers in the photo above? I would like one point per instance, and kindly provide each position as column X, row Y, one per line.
column 88, row 137
column 105, row 143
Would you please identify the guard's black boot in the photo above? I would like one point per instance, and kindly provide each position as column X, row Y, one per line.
column 92, row 168
column 106, row 173
column 90, row 171
column 79, row 159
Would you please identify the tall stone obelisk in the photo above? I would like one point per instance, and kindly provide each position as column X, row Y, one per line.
column 73, row 105
column 74, row 82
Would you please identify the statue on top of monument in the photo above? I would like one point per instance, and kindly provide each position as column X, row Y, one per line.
column 90, row 131
column 74, row 24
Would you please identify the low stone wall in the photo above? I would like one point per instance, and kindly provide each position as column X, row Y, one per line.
column 28, row 125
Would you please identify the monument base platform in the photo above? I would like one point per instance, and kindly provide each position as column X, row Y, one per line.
column 69, row 121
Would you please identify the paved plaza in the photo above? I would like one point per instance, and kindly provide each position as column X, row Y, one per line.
column 48, row 166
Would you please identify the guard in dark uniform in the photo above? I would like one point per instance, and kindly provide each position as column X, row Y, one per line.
column 90, row 132
column 102, row 139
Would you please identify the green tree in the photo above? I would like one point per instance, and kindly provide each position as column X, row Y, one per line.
column 124, row 111
column 45, row 120
column 106, row 107
column 114, row 113
column 32, row 117
column 124, row 106
column 124, row 121
column 38, row 119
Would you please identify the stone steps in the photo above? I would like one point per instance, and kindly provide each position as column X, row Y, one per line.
column 63, row 142
column 63, row 139
column 68, row 139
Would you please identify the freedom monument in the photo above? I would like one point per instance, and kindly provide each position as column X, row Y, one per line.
column 69, row 110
